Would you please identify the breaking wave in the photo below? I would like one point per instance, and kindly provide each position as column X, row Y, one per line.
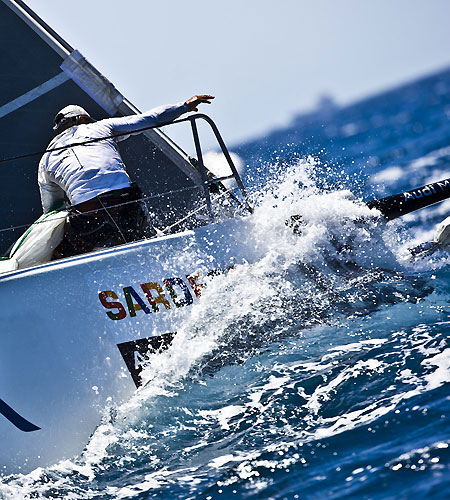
column 290, row 374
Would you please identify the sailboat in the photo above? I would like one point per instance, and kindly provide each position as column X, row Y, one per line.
column 76, row 332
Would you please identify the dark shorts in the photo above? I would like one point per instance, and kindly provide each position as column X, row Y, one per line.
column 110, row 219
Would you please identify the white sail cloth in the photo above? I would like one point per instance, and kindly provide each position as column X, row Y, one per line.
column 37, row 243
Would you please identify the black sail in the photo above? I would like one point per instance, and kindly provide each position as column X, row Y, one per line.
column 41, row 73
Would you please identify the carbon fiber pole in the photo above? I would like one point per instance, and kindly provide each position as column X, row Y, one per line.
column 404, row 203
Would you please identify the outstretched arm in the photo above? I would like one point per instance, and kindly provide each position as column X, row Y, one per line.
column 157, row 116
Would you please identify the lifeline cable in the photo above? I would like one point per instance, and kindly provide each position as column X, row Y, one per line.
column 90, row 141
column 121, row 134
column 191, row 119
column 111, row 217
column 190, row 214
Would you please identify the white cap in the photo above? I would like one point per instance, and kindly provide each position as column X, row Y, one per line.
column 69, row 112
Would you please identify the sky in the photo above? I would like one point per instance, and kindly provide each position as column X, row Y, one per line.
column 264, row 60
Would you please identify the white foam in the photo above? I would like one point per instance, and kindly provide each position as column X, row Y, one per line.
column 442, row 373
column 247, row 297
column 219, row 166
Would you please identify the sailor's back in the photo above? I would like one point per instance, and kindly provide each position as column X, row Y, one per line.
column 82, row 172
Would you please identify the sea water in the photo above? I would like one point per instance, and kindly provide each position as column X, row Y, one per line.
column 319, row 371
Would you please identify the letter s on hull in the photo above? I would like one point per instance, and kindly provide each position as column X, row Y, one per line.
column 121, row 312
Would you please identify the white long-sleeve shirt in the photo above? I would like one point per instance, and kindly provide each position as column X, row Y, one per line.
column 84, row 172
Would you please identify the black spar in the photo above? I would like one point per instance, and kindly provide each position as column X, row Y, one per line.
column 404, row 203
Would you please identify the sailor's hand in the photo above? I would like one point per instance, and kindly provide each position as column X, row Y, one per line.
column 195, row 100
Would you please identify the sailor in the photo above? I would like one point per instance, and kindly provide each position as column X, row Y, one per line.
column 104, row 204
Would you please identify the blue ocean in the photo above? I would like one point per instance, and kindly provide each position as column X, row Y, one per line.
column 321, row 371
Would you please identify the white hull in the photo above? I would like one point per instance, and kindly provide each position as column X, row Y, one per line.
column 60, row 360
